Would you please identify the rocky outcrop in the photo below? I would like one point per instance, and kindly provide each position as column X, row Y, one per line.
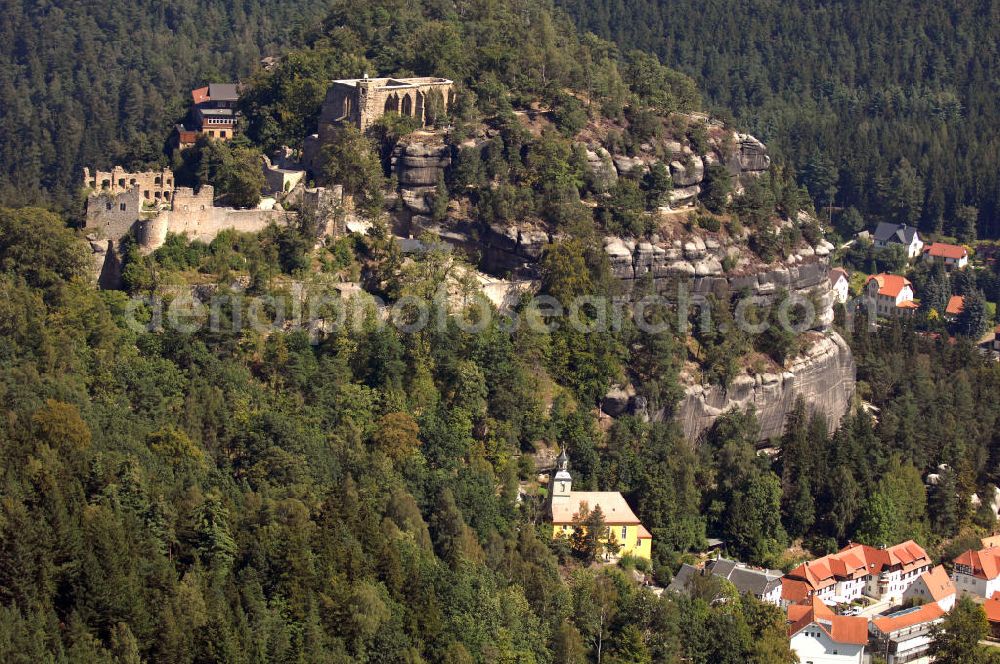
column 690, row 172
column 824, row 377
column 420, row 164
column 602, row 169
column 417, row 167
column 697, row 263
column 750, row 155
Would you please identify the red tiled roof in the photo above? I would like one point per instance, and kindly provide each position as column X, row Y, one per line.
column 992, row 608
column 984, row 563
column 857, row 560
column 643, row 533
column 889, row 285
column 942, row 250
column 925, row 614
column 793, row 590
column 908, row 304
column 841, row 629
column 955, row 305
column 938, row 583
column 199, row 95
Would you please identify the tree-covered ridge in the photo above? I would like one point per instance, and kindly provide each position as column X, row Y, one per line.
column 88, row 83
column 860, row 85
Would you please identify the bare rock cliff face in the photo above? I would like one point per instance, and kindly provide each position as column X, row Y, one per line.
column 824, row 377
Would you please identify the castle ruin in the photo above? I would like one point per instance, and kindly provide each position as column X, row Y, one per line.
column 153, row 186
column 362, row 101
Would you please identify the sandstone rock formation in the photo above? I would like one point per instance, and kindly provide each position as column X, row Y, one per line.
column 824, row 377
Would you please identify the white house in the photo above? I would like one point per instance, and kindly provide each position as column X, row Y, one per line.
column 933, row 586
column 951, row 256
column 818, row 636
column 839, row 282
column 905, row 636
column 889, row 294
column 856, row 570
column 977, row 573
column 887, row 235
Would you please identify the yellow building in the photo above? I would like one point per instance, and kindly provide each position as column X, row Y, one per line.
column 624, row 527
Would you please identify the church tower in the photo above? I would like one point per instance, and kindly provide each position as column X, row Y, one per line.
column 562, row 483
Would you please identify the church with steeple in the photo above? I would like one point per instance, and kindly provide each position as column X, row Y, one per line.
column 624, row 527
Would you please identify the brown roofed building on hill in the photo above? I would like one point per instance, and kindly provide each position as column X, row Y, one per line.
column 889, row 294
column 859, row 569
column 933, row 586
column 951, row 256
column 977, row 573
column 816, row 634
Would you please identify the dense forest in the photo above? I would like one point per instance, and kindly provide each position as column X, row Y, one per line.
column 845, row 92
column 244, row 494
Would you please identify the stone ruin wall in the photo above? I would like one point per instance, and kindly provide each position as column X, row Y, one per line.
column 367, row 100
column 152, row 185
column 194, row 215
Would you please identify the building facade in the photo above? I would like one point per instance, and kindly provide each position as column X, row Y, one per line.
column 952, row 256
column 818, row 636
column 887, row 235
column 905, row 637
column 889, row 295
column 977, row 573
column 624, row 527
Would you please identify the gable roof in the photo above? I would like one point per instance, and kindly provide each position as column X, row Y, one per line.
column 836, row 274
column 938, row 583
column 886, row 232
column 889, row 285
column 746, row 579
column 794, row 591
column 840, row 629
column 984, row 563
column 943, row 250
column 992, row 608
column 215, row 92
column 908, row 618
column 199, row 95
column 857, row 560
column 955, row 305
column 613, row 505
column 679, row 584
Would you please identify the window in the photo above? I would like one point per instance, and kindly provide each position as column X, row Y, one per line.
column 145, row 194
column 121, row 182
column 121, row 207
column 222, row 134
column 624, row 531
column 109, row 205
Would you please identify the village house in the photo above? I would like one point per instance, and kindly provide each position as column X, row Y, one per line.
column 887, row 235
column 977, row 573
column 764, row 584
column 992, row 609
column 890, row 294
column 624, row 527
column 818, row 636
column 951, row 256
column 933, row 586
column 904, row 637
column 956, row 303
column 840, row 282
column 214, row 113
column 856, row 570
